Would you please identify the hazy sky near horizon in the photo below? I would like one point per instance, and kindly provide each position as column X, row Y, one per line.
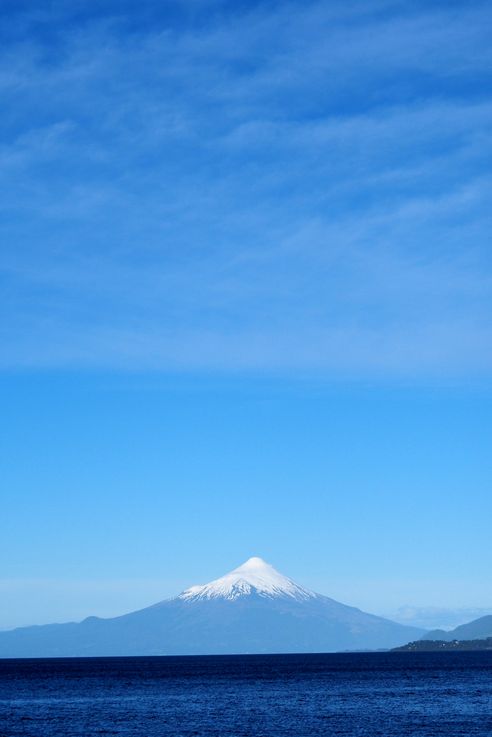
column 246, row 299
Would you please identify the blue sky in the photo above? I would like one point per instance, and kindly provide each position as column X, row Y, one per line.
column 246, row 300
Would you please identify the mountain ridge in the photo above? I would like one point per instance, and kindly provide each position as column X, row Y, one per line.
column 477, row 629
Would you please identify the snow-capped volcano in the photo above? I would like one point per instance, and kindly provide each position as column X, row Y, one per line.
column 252, row 609
column 253, row 577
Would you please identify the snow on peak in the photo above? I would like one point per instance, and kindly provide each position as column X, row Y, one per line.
column 253, row 577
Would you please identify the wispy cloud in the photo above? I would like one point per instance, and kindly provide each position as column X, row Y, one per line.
column 275, row 187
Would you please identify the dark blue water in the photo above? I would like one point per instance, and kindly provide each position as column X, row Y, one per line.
column 304, row 695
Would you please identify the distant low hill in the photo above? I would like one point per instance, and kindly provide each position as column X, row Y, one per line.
column 479, row 629
column 435, row 645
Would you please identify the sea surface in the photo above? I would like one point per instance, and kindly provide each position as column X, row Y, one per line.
column 391, row 694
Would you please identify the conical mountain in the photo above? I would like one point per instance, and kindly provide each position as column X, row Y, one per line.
column 252, row 609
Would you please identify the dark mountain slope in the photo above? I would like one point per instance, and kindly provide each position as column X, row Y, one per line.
column 475, row 630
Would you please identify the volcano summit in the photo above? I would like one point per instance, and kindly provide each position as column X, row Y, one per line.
column 255, row 577
column 252, row 609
